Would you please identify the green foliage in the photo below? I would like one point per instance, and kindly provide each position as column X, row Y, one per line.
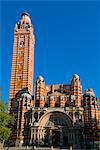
column 5, row 121
column 4, row 133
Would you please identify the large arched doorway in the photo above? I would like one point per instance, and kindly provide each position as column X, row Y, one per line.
column 55, row 127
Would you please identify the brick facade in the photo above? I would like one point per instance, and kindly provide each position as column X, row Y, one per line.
column 58, row 114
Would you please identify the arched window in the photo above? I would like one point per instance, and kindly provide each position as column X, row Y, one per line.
column 36, row 115
column 22, row 44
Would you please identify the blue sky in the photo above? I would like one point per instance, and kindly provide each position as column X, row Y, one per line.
column 67, row 35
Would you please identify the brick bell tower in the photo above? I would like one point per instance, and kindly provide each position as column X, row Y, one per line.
column 76, row 90
column 22, row 61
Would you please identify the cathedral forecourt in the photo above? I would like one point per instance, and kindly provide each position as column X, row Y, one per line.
column 57, row 115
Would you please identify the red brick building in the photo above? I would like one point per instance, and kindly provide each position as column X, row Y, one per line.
column 58, row 115
column 22, row 64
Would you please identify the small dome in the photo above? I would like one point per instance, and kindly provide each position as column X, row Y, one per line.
column 40, row 78
column 25, row 14
column 26, row 95
column 75, row 76
column 90, row 92
column 26, row 17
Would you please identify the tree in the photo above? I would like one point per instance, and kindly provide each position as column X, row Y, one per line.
column 5, row 120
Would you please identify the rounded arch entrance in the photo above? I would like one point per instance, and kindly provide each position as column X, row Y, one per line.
column 58, row 116
column 56, row 127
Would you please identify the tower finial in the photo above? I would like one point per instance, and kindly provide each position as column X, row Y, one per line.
column 25, row 18
column 25, row 14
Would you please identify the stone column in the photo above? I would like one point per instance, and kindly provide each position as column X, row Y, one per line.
column 38, row 115
column 34, row 135
column 40, row 139
column 43, row 132
column 37, row 136
column 73, row 117
column 50, row 137
column 31, row 136
column 61, row 137
column 82, row 118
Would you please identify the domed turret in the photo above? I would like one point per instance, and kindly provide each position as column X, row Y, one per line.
column 25, row 17
column 40, row 91
column 90, row 92
column 76, row 89
column 24, row 23
column 90, row 104
column 40, row 78
column 75, row 76
column 25, row 14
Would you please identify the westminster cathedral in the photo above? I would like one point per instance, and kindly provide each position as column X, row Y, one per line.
column 57, row 115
